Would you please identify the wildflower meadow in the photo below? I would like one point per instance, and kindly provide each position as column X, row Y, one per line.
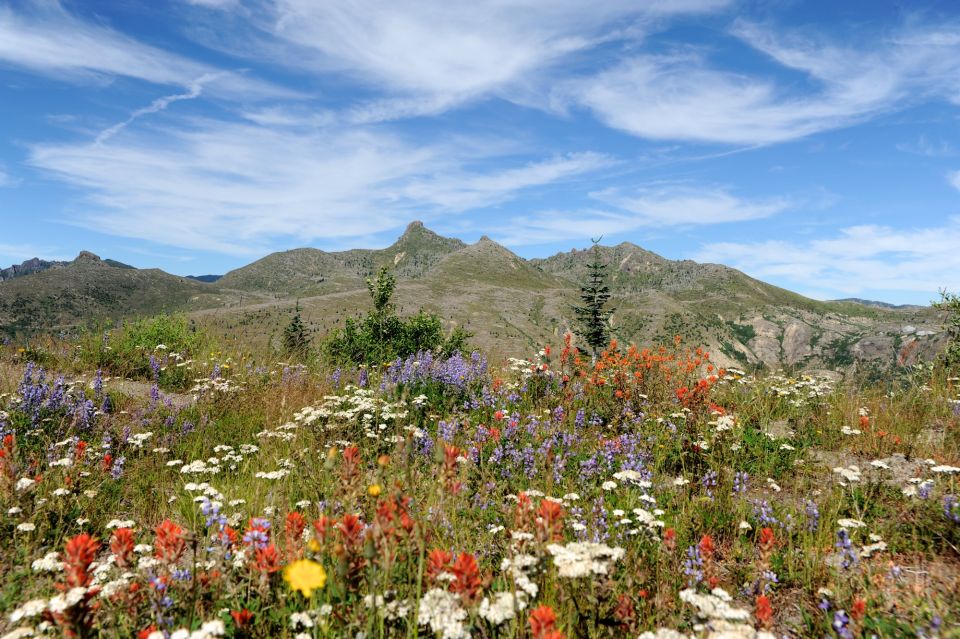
column 646, row 492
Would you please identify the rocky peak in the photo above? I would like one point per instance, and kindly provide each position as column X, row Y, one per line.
column 87, row 255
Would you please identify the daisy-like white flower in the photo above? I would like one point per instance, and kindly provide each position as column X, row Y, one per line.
column 579, row 559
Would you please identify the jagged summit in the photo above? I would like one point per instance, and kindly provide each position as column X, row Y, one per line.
column 87, row 256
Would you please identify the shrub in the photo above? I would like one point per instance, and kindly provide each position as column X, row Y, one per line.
column 382, row 335
column 147, row 348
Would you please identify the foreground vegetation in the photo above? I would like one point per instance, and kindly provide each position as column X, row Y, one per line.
column 647, row 493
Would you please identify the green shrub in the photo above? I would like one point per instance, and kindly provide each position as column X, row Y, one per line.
column 382, row 335
column 126, row 350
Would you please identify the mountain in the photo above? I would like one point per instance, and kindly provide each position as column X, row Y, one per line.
column 511, row 305
column 28, row 267
column 310, row 271
column 88, row 289
column 209, row 279
column 857, row 300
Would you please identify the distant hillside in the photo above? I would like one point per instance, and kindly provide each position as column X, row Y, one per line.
column 28, row 267
column 209, row 279
column 511, row 305
column 857, row 300
column 310, row 271
column 89, row 288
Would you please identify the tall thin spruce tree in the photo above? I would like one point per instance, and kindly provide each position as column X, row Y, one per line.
column 593, row 316
column 295, row 340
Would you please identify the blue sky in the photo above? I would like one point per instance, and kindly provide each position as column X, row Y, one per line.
column 814, row 145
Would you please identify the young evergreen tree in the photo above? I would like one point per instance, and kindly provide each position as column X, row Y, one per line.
column 295, row 340
column 593, row 315
column 949, row 304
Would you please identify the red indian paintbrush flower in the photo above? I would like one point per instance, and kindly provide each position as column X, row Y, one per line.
column 79, row 553
column 170, row 542
column 543, row 623
column 763, row 611
column 550, row 520
column 121, row 545
column 467, row 582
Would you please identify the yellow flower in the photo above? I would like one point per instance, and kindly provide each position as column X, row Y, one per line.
column 374, row 490
column 313, row 545
column 305, row 575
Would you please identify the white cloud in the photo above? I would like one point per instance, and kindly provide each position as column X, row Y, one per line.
column 954, row 178
column 858, row 259
column 196, row 88
column 214, row 4
column 238, row 187
column 460, row 191
column 683, row 97
column 655, row 206
column 18, row 253
column 51, row 41
column 433, row 53
column 6, row 179
column 927, row 147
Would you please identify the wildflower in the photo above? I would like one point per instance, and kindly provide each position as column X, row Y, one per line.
column 763, row 611
column 579, row 559
column 241, row 618
column 267, row 559
column 121, row 545
column 542, row 623
column 767, row 540
column 467, row 582
column 501, row 608
column 170, row 542
column 441, row 611
column 374, row 490
column 859, row 608
column 305, row 576
column 79, row 553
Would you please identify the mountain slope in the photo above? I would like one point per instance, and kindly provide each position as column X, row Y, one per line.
column 89, row 288
column 511, row 305
column 310, row 271
column 28, row 267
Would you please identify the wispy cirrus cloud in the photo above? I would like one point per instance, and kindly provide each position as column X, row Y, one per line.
column 954, row 179
column 683, row 96
column 857, row 259
column 6, row 179
column 238, row 187
column 46, row 38
column 655, row 206
column 428, row 55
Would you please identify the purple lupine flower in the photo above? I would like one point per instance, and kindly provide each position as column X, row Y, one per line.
column 693, row 566
column 98, row 385
column 363, row 378
column 447, row 430
column 841, row 623
column 764, row 513
column 740, row 480
column 708, row 482
column 845, row 546
column 116, row 471
column 951, row 508
column 813, row 515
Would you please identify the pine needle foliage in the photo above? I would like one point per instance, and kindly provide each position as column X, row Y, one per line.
column 949, row 304
column 593, row 316
column 295, row 340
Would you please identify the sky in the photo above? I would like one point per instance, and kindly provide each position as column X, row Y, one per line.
column 812, row 144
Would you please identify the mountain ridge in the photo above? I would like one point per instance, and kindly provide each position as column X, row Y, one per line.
column 511, row 304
